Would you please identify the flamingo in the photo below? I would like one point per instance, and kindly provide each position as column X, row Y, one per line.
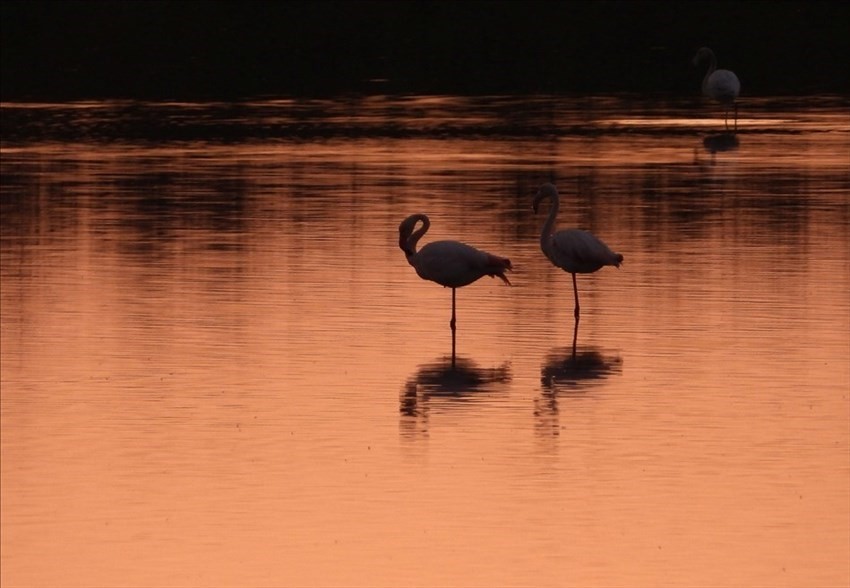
column 573, row 250
column 451, row 264
column 721, row 85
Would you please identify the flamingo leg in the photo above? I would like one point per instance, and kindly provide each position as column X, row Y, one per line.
column 575, row 291
column 576, row 313
column 575, row 338
column 453, row 325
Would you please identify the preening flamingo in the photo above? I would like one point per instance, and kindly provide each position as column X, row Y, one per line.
column 721, row 85
column 451, row 264
column 573, row 250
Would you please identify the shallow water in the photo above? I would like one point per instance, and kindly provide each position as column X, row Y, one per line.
column 218, row 368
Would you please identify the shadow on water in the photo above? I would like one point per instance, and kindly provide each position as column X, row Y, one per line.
column 439, row 382
column 569, row 371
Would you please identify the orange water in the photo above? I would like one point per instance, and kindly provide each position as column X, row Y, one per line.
column 219, row 370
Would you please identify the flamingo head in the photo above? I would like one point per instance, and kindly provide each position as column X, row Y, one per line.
column 703, row 54
column 546, row 191
column 405, row 230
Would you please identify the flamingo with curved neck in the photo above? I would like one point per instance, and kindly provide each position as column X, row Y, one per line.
column 573, row 250
column 451, row 264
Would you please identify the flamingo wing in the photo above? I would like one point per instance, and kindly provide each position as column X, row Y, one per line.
column 454, row 264
column 723, row 85
column 578, row 251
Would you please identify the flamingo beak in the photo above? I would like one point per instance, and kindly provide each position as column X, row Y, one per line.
column 536, row 204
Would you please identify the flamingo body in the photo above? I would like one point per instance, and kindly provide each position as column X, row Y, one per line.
column 579, row 252
column 721, row 85
column 454, row 264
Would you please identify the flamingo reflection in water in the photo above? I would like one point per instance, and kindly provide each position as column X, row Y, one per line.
column 568, row 371
column 718, row 143
column 565, row 369
column 721, row 143
column 720, row 85
column 573, row 250
column 451, row 264
column 455, row 380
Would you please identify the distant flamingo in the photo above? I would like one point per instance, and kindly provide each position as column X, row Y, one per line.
column 573, row 250
column 721, row 85
column 451, row 264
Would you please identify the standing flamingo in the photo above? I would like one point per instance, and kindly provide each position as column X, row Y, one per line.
column 451, row 264
column 573, row 250
column 721, row 85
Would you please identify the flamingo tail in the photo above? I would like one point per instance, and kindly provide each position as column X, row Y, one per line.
column 497, row 266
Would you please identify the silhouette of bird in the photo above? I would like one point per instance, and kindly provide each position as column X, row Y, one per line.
column 573, row 250
column 721, row 85
column 451, row 264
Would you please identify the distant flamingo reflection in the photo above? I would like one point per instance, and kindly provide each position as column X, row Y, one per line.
column 721, row 142
column 451, row 264
column 573, row 250
column 455, row 380
column 720, row 85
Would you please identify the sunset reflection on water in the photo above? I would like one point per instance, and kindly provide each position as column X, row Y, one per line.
column 218, row 368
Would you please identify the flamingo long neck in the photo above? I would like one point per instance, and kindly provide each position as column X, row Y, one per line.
column 413, row 238
column 712, row 66
column 549, row 225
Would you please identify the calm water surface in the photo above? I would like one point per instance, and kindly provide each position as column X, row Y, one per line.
column 219, row 370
